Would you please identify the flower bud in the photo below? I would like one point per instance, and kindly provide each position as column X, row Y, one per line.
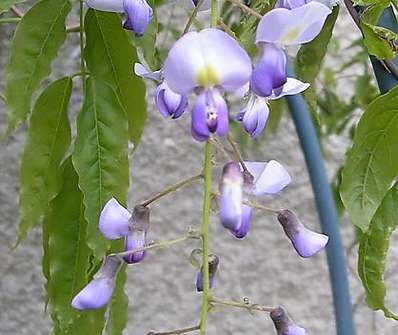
column 139, row 15
column 170, row 103
column 213, row 266
column 136, row 237
column 306, row 242
column 114, row 220
column 209, row 115
column 231, row 196
column 283, row 324
column 270, row 72
column 99, row 291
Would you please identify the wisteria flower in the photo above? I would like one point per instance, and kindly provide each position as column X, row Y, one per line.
column 255, row 115
column 290, row 4
column 169, row 103
column 197, row 64
column 278, row 29
column 237, row 186
column 138, row 12
column 306, row 242
column 213, row 267
column 99, row 291
column 116, row 222
column 283, row 324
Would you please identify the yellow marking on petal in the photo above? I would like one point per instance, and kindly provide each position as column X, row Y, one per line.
column 291, row 35
column 207, row 77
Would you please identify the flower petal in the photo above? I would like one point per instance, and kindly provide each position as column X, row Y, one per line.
column 95, row 295
column 308, row 243
column 273, row 179
column 141, row 71
column 292, row 87
column 135, row 240
column 106, row 5
column 199, row 129
column 170, row 103
column 292, row 27
column 198, row 60
column 270, row 70
column 114, row 220
column 139, row 15
column 255, row 117
column 290, row 4
column 246, row 219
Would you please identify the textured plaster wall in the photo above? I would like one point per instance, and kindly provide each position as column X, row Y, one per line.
column 262, row 267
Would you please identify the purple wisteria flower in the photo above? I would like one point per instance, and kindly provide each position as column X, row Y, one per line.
column 98, row 292
column 306, row 242
column 283, row 324
column 280, row 28
column 169, row 103
column 138, row 12
column 116, row 222
column 255, row 115
column 237, row 186
column 197, row 64
column 213, row 267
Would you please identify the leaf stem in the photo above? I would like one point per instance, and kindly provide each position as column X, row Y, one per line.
column 205, row 237
column 10, row 20
column 177, row 331
column 246, row 9
column 3, row 97
column 192, row 17
column 244, row 305
column 82, row 63
column 171, row 189
column 158, row 245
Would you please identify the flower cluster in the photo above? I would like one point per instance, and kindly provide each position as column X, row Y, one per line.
column 208, row 64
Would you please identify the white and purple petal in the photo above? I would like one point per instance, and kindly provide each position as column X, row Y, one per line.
column 290, row 4
column 141, row 71
column 270, row 72
column 114, row 220
column 285, row 27
column 244, row 226
column 134, row 240
column 198, row 60
column 269, row 178
column 169, row 103
column 254, row 117
column 139, row 15
column 291, row 87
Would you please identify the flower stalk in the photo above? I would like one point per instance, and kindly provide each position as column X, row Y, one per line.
column 177, row 331
column 205, row 237
column 249, row 307
column 171, row 189
column 245, row 8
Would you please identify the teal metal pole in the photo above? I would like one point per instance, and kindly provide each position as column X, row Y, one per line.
column 326, row 211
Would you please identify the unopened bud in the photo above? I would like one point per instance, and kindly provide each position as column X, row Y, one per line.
column 283, row 324
column 213, row 267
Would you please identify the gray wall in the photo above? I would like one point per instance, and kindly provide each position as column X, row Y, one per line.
column 262, row 267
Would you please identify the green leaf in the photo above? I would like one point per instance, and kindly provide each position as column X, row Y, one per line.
column 117, row 320
column 67, row 257
column 379, row 41
column 110, row 57
column 373, row 249
column 310, row 57
column 100, row 156
column 371, row 164
column 5, row 5
column 47, row 141
column 36, row 42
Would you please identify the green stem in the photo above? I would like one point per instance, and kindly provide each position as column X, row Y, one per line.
column 3, row 97
column 205, row 238
column 214, row 14
column 157, row 245
column 177, row 331
column 10, row 20
column 171, row 189
column 248, row 306
column 192, row 17
column 82, row 63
